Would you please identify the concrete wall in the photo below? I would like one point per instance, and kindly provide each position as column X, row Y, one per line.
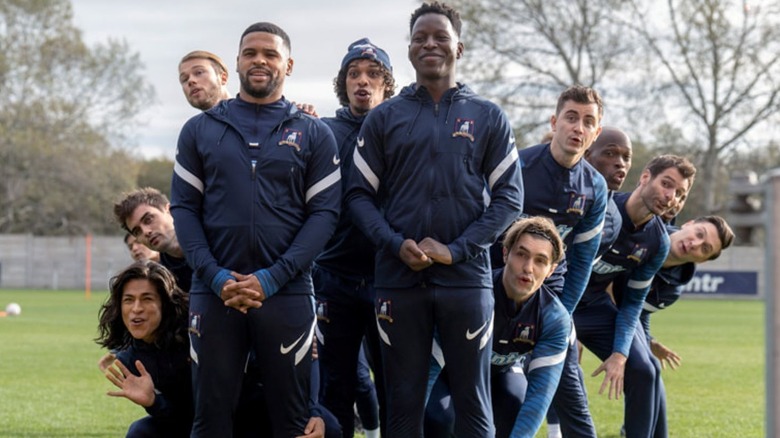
column 28, row 262
column 32, row 262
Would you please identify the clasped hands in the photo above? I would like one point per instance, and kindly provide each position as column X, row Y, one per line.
column 243, row 293
column 419, row 256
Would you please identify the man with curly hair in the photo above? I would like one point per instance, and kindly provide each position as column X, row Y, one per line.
column 344, row 272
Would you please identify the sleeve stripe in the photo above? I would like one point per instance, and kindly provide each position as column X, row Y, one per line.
column 188, row 177
column 649, row 307
column 502, row 167
column 636, row 284
column 365, row 170
column 546, row 361
column 587, row 235
column 323, row 184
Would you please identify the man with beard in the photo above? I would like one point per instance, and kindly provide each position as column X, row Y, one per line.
column 610, row 330
column 344, row 272
column 697, row 241
column 145, row 214
column 255, row 197
column 203, row 78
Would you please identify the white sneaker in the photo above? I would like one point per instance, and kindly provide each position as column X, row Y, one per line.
column 554, row 431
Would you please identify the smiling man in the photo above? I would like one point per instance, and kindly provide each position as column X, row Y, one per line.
column 251, row 215
column 425, row 162
column 609, row 329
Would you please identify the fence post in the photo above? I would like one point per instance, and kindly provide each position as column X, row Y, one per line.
column 771, row 284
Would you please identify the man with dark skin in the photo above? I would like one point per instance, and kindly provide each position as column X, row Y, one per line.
column 422, row 162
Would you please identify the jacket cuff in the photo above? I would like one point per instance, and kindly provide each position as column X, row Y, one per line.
column 219, row 281
column 267, row 282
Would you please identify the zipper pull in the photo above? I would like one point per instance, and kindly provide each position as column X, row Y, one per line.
column 254, row 166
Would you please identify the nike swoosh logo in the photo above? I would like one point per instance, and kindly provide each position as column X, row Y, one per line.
column 285, row 350
column 361, row 142
column 471, row 335
column 336, row 160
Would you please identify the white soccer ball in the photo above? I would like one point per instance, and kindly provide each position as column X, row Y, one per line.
column 13, row 309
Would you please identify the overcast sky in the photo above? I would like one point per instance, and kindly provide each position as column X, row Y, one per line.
column 161, row 32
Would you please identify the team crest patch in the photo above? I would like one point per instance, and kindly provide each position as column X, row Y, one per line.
column 576, row 204
column 638, row 253
column 194, row 325
column 464, row 128
column 385, row 310
column 292, row 138
column 524, row 333
column 322, row 311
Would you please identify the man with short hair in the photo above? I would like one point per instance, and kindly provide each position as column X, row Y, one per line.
column 139, row 251
column 203, row 77
column 427, row 163
column 344, row 272
column 145, row 214
column 609, row 330
column 529, row 338
column 564, row 188
column 251, row 216
column 697, row 241
column 610, row 154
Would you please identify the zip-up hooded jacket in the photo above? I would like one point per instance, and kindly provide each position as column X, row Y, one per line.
column 535, row 334
column 349, row 253
column 254, row 200
column 445, row 170
column 666, row 289
column 638, row 253
column 170, row 372
column 576, row 201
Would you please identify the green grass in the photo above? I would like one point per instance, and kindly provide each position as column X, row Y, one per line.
column 50, row 385
column 719, row 389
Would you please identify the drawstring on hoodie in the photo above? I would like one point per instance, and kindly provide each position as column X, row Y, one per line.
column 420, row 105
column 224, row 132
column 416, row 115
column 449, row 107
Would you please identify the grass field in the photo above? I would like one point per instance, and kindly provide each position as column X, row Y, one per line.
column 50, row 385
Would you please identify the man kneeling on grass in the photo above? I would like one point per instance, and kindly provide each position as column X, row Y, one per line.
column 144, row 319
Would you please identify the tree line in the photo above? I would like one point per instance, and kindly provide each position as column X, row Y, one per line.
column 694, row 77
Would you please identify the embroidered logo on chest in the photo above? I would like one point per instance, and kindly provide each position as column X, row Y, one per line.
column 292, row 138
column 576, row 204
column 464, row 128
column 638, row 253
column 524, row 333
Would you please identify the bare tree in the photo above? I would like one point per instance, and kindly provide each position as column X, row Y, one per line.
column 66, row 112
column 523, row 53
column 719, row 75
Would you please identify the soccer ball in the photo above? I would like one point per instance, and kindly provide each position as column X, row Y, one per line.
column 13, row 309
